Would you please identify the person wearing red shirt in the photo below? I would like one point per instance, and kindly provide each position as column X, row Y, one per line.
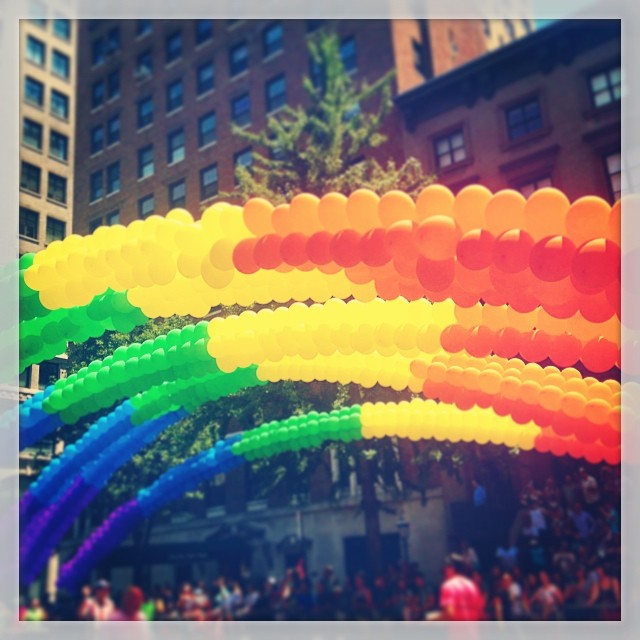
column 460, row 597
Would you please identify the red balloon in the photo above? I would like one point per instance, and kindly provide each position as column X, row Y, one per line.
column 345, row 248
column 510, row 283
column 535, row 346
column 400, row 238
column 595, row 265
column 405, row 265
column 493, row 297
column 551, row 258
column 507, row 342
column 462, row 297
column 437, row 237
column 410, row 289
column 608, row 436
column 600, row 355
column 559, row 447
column 319, row 247
column 524, row 301
column 293, row 249
column 474, row 249
column 431, row 389
column 521, row 412
column 373, row 248
column 480, row 341
column 611, row 455
column 502, row 406
column 483, row 400
column 511, row 250
column 542, row 443
column 464, row 400
column 575, row 449
column 387, row 288
column 565, row 350
column 243, row 256
column 453, row 338
column 595, row 307
column 448, row 393
column 564, row 425
column 587, row 432
column 613, row 296
column 593, row 453
column 541, row 416
column 435, row 275
column 564, row 309
column 267, row 251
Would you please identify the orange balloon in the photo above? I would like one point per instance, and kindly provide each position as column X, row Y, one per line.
column 362, row 210
column 360, row 274
column 281, row 220
column 573, row 404
column 257, row 216
column 332, row 212
column 419, row 368
column 530, row 392
column 434, row 200
column 510, row 388
column 597, row 411
column 587, row 219
column 304, row 213
column 495, row 317
column 550, row 397
column 505, row 210
column 437, row 237
column 614, row 223
column 472, row 280
column 394, row 206
column 544, row 213
column 469, row 207
column 469, row 317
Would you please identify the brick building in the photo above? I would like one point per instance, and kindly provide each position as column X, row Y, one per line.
column 542, row 111
column 160, row 96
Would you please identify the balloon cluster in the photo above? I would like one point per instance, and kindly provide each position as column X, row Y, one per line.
column 426, row 419
column 35, row 422
column 300, row 432
column 46, row 336
column 169, row 486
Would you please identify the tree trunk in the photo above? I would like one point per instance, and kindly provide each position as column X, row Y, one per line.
column 141, row 570
column 371, row 509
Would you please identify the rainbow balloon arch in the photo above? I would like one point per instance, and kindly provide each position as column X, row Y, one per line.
column 502, row 313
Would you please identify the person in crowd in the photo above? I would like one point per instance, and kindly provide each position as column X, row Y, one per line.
column 571, row 491
column 583, row 522
column 564, row 561
column 605, row 595
column 590, row 490
column 507, row 556
column 508, row 602
column 361, row 600
column 35, row 611
column 100, row 606
column 131, row 610
column 549, row 598
column 469, row 556
column 479, row 494
column 460, row 597
column 576, row 595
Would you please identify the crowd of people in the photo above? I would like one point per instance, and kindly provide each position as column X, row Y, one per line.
column 559, row 561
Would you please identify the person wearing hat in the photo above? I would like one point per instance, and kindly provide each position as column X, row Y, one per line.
column 101, row 606
column 460, row 598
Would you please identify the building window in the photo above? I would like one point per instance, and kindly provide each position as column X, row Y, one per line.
column 175, row 146
column 530, row 187
column 29, row 223
column 486, row 26
column 145, row 161
column 204, row 30
column 523, row 119
column 113, row 130
column 144, row 65
column 98, row 54
column 60, row 64
column 145, row 206
column 207, row 129
column 276, row 93
column 527, row 26
column 510, row 29
column 58, row 146
column 94, row 224
column 112, row 218
column 272, row 39
column 143, row 27
column 97, row 139
column 208, row 182
column 30, row 177
column 95, row 186
column 113, row 84
column 613, row 163
column 241, row 110
column 57, row 188
column 177, row 194
column 35, row 51
column 238, row 59
column 205, row 77
column 49, row 373
column 145, row 112
column 56, row 230
column 453, row 45
column 450, row 149
column 605, row 87
column 113, row 40
column 113, row 178
column 33, row 91
column 24, row 379
column 243, row 158
column 418, row 55
column 233, row 23
column 32, row 134
column 37, row 7
column 173, row 46
column 59, row 104
column 62, row 28
column 97, row 94
column 348, row 53
column 314, row 25
column 174, row 95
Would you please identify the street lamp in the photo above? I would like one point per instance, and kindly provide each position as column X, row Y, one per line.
column 403, row 530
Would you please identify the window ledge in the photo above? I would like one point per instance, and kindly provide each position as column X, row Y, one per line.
column 209, row 199
column 594, row 113
column 96, row 109
column 235, row 25
column 113, row 144
column 28, row 238
column 145, row 177
column 92, row 202
column 32, row 148
column 57, row 117
column 146, row 126
column 276, row 110
column 208, row 92
column 60, row 160
column 272, row 56
column 113, row 99
column 57, row 202
column 174, row 163
column 34, row 105
column 113, row 193
column 203, row 44
column 208, row 145
column 37, row 194
column 246, row 125
column 173, row 63
column 174, row 111
column 530, row 137
column 96, row 154
column 242, row 74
